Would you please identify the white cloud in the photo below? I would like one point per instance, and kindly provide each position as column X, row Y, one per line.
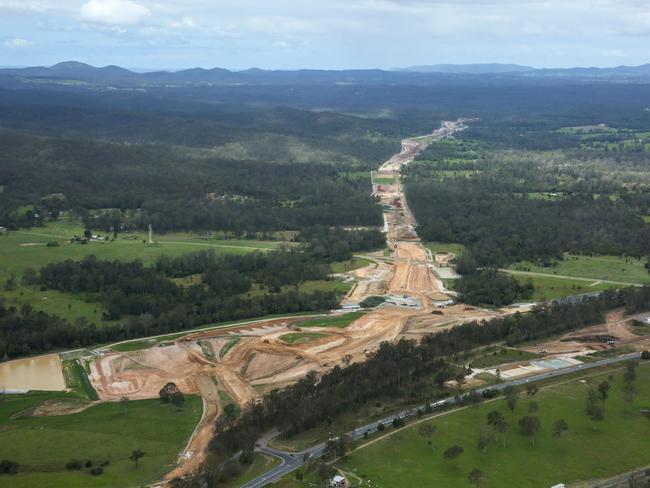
column 284, row 25
column 114, row 12
column 184, row 23
column 17, row 43
column 329, row 33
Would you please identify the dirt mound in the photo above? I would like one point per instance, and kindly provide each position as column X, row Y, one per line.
column 50, row 408
column 595, row 338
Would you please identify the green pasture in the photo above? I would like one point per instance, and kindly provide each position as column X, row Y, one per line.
column 435, row 247
column 614, row 268
column 106, row 432
column 28, row 248
column 588, row 450
column 551, row 287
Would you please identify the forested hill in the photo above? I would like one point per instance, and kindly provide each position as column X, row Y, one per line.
column 272, row 134
column 72, row 70
column 174, row 190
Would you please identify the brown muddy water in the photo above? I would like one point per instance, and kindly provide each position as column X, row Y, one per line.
column 37, row 373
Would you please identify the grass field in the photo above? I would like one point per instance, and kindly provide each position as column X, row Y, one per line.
column 345, row 266
column 384, row 181
column 494, row 356
column 323, row 285
column 24, row 249
column 77, row 379
column 640, row 328
column 617, row 444
column 43, row 445
column 551, row 287
column 614, row 268
column 339, row 321
column 435, row 247
column 301, row 337
column 357, row 175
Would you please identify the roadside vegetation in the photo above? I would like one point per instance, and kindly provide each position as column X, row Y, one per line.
column 495, row 356
column 563, row 444
column 339, row 321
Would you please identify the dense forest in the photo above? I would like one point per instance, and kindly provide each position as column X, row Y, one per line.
column 501, row 228
column 196, row 158
column 173, row 191
column 337, row 244
column 508, row 206
column 147, row 301
column 402, row 370
column 491, row 287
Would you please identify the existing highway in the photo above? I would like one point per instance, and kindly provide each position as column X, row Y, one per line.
column 291, row 461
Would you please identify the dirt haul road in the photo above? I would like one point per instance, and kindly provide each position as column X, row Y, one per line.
column 241, row 363
column 615, row 332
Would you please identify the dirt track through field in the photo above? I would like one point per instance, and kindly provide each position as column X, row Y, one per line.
column 260, row 360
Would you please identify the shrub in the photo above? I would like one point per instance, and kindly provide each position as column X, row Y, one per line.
column 372, row 302
column 97, row 471
column 246, row 456
column 8, row 467
column 74, row 465
column 398, row 422
column 645, row 355
column 380, row 427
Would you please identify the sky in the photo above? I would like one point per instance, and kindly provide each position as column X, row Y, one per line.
column 332, row 34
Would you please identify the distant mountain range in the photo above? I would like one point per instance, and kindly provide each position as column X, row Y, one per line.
column 73, row 72
column 470, row 69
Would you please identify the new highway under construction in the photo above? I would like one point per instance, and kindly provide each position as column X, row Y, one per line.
column 241, row 363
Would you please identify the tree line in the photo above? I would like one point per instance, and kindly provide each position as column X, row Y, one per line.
column 492, row 287
column 338, row 244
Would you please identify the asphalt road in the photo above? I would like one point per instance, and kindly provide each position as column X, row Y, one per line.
column 291, row 461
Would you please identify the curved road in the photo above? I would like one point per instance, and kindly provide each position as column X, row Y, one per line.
column 291, row 461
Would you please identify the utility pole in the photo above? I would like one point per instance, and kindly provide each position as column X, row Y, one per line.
column 150, row 234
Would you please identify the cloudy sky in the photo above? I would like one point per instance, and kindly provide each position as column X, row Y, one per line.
column 336, row 34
